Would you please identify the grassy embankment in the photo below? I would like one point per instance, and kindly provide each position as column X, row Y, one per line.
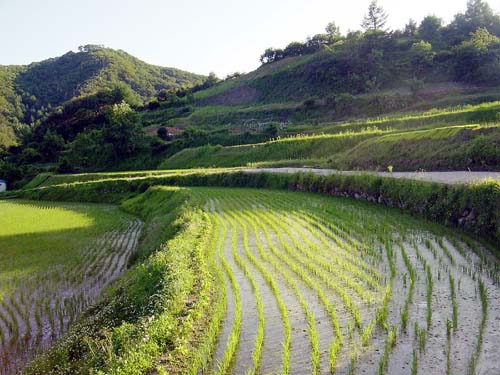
column 448, row 139
column 177, row 308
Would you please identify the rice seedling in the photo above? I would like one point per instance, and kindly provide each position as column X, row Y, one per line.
column 354, row 277
column 49, row 246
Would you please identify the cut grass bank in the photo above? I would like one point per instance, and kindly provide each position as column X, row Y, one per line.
column 451, row 148
column 448, row 139
column 300, row 147
column 473, row 207
column 465, row 147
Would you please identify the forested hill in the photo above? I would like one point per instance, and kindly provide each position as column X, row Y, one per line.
column 29, row 93
column 101, row 109
column 466, row 50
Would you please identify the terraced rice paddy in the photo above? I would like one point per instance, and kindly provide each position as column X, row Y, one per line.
column 317, row 285
column 54, row 261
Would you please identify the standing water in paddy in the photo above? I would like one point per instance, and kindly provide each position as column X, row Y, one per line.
column 330, row 285
column 55, row 260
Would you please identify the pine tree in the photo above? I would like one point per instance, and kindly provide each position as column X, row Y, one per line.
column 376, row 18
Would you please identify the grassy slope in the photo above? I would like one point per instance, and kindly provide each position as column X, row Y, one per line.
column 47, row 180
column 278, row 90
column 236, row 116
column 454, row 148
column 286, row 149
column 286, row 65
column 451, row 138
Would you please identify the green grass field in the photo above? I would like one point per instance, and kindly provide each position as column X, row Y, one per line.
column 54, row 260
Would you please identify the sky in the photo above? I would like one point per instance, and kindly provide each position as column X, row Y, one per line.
column 201, row 36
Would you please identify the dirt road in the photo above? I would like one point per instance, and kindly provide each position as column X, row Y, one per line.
column 456, row 177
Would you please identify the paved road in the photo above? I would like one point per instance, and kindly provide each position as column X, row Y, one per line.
column 457, row 177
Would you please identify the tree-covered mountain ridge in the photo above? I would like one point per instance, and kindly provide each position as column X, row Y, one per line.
column 29, row 93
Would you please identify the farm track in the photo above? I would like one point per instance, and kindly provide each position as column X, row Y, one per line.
column 318, row 286
column 452, row 177
column 40, row 310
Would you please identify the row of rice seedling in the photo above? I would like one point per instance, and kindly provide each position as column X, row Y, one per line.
column 39, row 308
column 259, row 337
column 295, row 254
column 306, row 246
column 358, row 277
column 272, row 284
column 232, row 343
column 335, row 345
column 278, row 260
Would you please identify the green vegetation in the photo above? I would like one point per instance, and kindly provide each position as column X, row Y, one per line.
column 448, row 139
column 442, row 203
column 29, row 93
column 457, row 148
column 328, row 69
column 10, row 106
column 331, row 64
column 360, row 74
column 55, row 259
column 67, row 103
column 331, row 255
column 149, row 299
column 224, row 271
column 300, row 147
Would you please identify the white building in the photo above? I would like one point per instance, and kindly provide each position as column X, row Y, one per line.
column 3, row 185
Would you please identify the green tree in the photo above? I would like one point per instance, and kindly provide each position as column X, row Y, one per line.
column 271, row 130
column 411, row 28
column 120, row 137
column 51, row 145
column 153, row 104
column 295, row 49
column 270, row 55
column 163, row 134
column 333, row 30
column 123, row 131
column 478, row 58
column 421, row 57
column 88, row 151
column 478, row 15
column 212, row 79
column 376, row 18
column 430, row 30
